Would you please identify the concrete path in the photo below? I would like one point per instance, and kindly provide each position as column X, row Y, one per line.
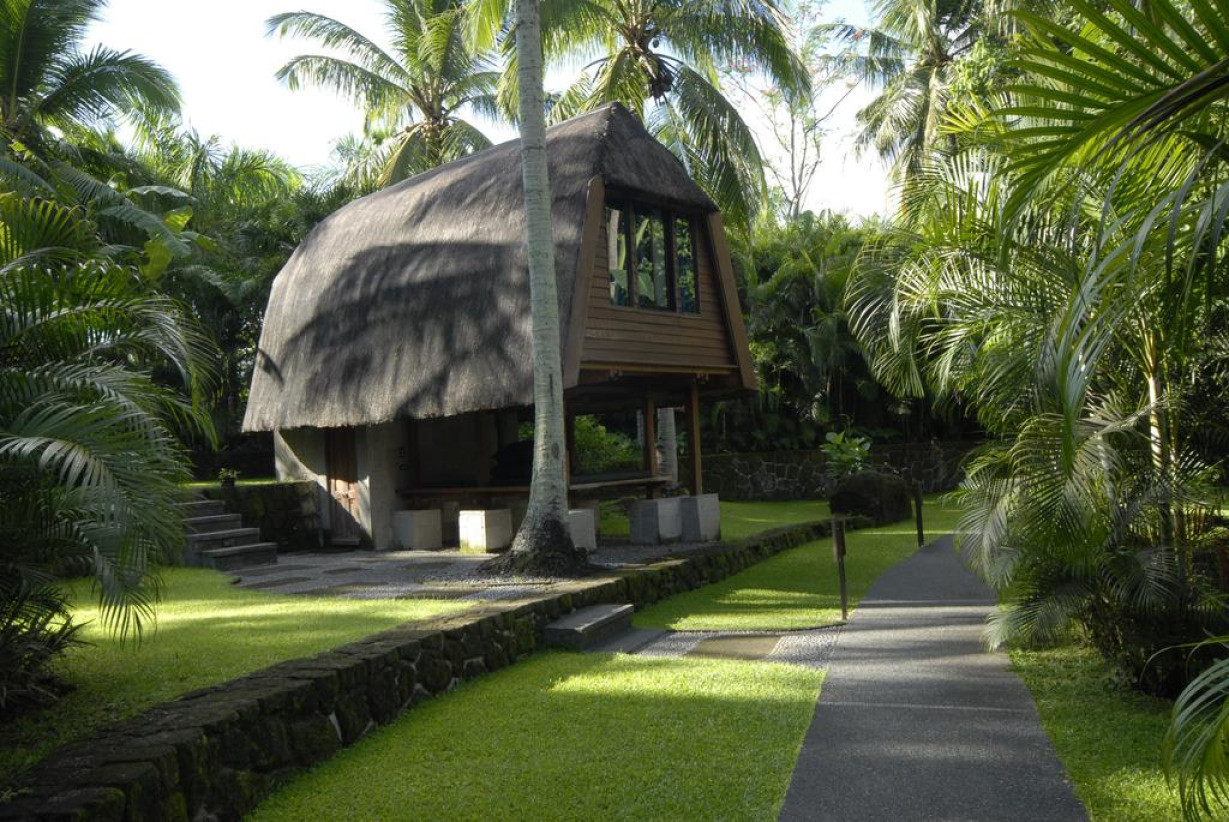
column 916, row 721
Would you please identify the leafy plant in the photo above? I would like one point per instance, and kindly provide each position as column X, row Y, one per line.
column 1196, row 749
column 845, row 454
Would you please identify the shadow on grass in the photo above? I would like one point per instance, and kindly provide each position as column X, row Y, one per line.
column 577, row 736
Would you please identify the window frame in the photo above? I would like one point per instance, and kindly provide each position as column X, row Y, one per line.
column 632, row 209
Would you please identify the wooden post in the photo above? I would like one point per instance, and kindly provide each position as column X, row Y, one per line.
column 838, row 551
column 917, row 512
column 693, row 439
column 570, row 465
column 650, row 445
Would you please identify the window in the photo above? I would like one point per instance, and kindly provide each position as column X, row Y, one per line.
column 616, row 251
column 652, row 281
column 651, row 257
column 685, row 267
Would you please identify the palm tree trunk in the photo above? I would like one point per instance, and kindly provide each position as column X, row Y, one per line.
column 543, row 543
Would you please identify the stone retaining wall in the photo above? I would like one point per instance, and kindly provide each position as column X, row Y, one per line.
column 786, row 475
column 215, row 753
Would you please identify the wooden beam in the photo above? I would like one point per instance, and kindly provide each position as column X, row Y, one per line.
column 729, row 299
column 582, row 277
column 693, row 439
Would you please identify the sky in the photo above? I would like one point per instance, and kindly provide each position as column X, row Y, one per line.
column 225, row 66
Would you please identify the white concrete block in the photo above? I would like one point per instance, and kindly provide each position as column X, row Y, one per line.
column 595, row 507
column 418, row 530
column 701, row 518
column 485, row 531
column 655, row 521
column 583, row 528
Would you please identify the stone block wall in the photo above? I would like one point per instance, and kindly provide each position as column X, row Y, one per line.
column 786, row 475
column 287, row 513
column 215, row 753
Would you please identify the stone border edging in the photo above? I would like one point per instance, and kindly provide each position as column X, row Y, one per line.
column 213, row 754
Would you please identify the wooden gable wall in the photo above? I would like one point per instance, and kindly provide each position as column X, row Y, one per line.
column 603, row 336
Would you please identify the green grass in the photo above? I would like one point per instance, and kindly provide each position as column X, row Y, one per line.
column 208, row 631
column 797, row 588
column 213, row 483
column 1108, row 739
column 738, row 519
column 577, row 736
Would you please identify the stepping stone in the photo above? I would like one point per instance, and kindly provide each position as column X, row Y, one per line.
column 751, row 648
column 584, row 628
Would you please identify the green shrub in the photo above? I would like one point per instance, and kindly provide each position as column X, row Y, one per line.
column 882, row 497
column 845, row 454
column 35, row 627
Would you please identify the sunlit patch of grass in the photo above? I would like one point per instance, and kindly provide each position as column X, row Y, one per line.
column 572, row 736
column 798, row 588
column 1108, row 739
column 207, row 631
column 738, row 519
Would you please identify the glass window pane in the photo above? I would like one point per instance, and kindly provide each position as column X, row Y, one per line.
column 685, row 266
column 616, row 255
column 652, row 282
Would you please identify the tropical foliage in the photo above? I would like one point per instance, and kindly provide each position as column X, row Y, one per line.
column 415, row 98
column 1058, row 268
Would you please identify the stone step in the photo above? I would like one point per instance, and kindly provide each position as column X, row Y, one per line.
column 203, row 507
column 239, row 556
column 199, row 543
column 628, row 642
column 587, row 627
column 212, row 523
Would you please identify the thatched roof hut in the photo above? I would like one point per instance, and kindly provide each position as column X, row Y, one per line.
column 414, row 301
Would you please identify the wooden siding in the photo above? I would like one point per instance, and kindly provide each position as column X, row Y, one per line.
column 641, row 336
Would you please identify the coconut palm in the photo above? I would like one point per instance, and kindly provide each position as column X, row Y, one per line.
column 661, row 59
column 909, row 55
column 421, row 89
column 49, row 83
column 544, row 542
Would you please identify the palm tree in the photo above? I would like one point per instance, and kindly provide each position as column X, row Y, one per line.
column 544, row 542
column 421, row 89
column 90, row 463
column 47, row 83
column 661, row 58
column 910, row 55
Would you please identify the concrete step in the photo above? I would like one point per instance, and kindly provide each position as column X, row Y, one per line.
column 203, row 507
column 239, row 556
column 628, row 642
column 212, row 523
column 587, row 627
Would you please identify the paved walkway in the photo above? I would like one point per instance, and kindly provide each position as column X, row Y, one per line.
column 917, row 722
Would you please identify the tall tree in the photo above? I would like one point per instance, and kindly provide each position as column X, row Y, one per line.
column 48, row 84
column 909, row 55
column 420, row 91
column 544, row 543
column 661, row 58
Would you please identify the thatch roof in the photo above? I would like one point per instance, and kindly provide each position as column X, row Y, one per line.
column 414, row 301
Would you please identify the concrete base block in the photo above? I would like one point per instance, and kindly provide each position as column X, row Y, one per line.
column 485, row 531
column 583, row 528
column 701, row 518
column 655, row 521
column 595, row 506
column 418, row 530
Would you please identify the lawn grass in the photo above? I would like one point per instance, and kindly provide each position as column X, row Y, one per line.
column 1108, row 739
column 577, row 736
column 213, row 483
column 208, row 631
column 797, row 588
column 738, row 519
